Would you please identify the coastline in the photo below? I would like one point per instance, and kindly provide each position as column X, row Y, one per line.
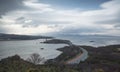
column 104, row 58
column 67, row 58
column 93, row 52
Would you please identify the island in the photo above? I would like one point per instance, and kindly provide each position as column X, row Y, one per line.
column 58, row 41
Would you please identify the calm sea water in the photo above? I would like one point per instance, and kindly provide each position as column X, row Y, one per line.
column 96, row 40
column 25, row 48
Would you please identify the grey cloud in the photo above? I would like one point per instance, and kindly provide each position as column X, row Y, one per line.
column 30, row 25
column 20, row 20
column 52, row 26
column 117, row 26
column 111, row 21
column 37, row 22
column 9, row 5
column 114, row 21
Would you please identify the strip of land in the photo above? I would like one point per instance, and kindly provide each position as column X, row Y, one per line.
column 73, row 55
column 8, row 37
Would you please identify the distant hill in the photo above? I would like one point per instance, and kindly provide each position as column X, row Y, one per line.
column 20, row 37
column 78, row 35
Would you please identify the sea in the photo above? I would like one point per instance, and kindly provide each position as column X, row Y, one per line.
column 24, row 48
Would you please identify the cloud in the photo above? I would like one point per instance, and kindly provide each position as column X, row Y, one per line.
column 44, row 18
column 10, row 5
column 114, row 17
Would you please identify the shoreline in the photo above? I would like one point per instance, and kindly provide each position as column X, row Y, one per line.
column 101, row 50
column 67, row 58
column 73, row 52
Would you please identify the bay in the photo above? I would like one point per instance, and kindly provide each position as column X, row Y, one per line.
column 25, row 48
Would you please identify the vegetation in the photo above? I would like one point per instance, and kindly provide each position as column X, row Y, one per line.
column 101, row 59
column 35, row 58
column 105, row 58
column 16, row 64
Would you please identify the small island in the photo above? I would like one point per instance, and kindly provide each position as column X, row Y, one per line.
column 58, row 41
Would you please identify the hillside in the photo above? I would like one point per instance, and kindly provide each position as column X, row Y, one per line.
column 104, row 57
column 20, row 37
column 101, row 59
column 16, row 64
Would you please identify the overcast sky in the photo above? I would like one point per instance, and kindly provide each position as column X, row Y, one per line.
column 60, row 17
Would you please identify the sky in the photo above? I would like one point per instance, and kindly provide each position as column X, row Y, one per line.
column 37, row 17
